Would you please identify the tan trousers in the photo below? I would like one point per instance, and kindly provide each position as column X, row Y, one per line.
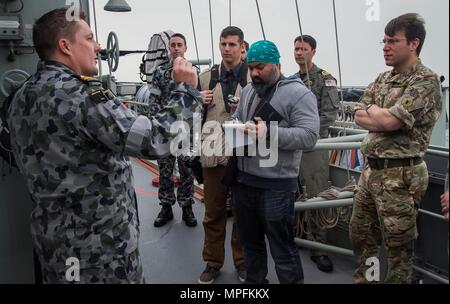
column 215, row 221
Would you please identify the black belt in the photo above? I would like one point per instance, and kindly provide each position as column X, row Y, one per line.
column 379, row 163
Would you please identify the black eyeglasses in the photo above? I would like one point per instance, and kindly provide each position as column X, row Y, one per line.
column 391, row 41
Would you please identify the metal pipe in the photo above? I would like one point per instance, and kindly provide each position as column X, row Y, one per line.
column 324, row 247
column 348, row 130
column 333, row 249
column 344, row 199
column 303, row 206
column 200, row 62
column 360, row 131
column 348, row 138
column 337, row 146
column 229, row 6
column 431, row 275
column 437, row 152
column 329, row 145
column 341, row 195
column 435, row 215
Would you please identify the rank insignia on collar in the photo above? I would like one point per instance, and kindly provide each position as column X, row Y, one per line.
column 167, row 74
column 413, row 93
column 88, row 79
column 101, row 95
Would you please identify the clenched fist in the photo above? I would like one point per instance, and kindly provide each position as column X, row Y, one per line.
column 184, row 72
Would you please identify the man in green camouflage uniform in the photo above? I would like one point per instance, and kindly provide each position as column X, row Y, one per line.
column 71, row 140
column 399, row 109
column 159, row 96
column 314, row 172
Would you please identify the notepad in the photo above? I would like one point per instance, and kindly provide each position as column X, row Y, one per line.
column 234, row 137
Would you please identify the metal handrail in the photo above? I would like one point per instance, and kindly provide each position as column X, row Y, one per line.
column 347, row 252
column 320, row 246
column 329, row 145
column 345, row 200
column 431, row 274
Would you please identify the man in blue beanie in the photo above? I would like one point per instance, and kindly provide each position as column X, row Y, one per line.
column 264, row 194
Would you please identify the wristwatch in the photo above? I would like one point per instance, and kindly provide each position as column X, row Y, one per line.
column 368, row 107
column 357, row 108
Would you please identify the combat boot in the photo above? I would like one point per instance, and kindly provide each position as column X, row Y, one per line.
column 188, row 216
column 323, row 263
column 164, row 216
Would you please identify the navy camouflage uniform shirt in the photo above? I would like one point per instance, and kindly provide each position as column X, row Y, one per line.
column 71, row 140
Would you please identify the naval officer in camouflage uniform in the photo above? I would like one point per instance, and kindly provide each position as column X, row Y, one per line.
column 314, row 172
column 399, row 109
column 160, row 90
column 71, row 140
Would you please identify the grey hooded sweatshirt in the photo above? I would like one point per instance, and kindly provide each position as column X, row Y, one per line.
column 297, row 131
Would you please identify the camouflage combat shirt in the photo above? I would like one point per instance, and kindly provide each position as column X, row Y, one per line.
column 72, row 140
column 415, row 98
column 161, row 87
column 323, row 85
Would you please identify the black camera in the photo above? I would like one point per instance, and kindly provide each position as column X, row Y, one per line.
column 233, row 99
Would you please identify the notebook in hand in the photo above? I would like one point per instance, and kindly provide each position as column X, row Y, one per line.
column 268, row 113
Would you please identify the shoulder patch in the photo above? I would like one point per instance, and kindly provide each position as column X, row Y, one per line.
column 330, row 83
column 101, row 95
column 325, row 73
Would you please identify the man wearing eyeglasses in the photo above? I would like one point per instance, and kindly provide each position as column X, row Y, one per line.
column 399, row 109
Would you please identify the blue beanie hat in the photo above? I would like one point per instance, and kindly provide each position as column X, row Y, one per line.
column 263, row 51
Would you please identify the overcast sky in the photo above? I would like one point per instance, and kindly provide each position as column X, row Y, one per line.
column 360, row 29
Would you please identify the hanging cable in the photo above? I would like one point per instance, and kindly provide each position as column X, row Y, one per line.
column 260, row 20
column 337, row 46
column 340, row 75
column 229, row 5
column 96, row 37
column 193, row 30
column 303, row 43
column 211, row 27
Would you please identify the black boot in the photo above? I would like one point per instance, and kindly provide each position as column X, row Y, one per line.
column 188, row 216
column 164, row 216
column 323, row 263
column 229, row 208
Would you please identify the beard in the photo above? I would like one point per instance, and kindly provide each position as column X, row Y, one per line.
column 262, row 87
